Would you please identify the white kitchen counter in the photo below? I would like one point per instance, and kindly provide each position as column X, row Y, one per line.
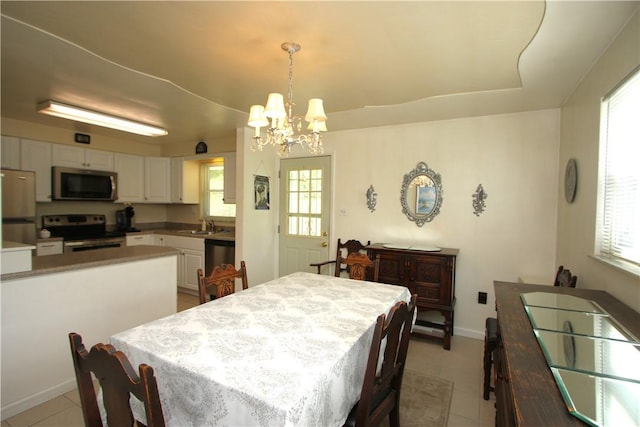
column 94, row 293
column 16, row 257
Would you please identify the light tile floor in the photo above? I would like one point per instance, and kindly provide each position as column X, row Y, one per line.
column 462, row 365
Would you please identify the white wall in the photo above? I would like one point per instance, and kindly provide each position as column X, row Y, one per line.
column 580, row 140
column 513, row 156
column 256, row 230
column 39, row 312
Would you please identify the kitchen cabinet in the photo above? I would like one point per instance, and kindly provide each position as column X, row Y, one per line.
column 185, row 183
column 130, row 171
column 191, row 258
column 157, row 180
column 431, row 275
column 83, row 158
column 136, row 239
column 14, row 258
column 36, row 156
column 10, row 155
column 49, row 248
column 229, row 178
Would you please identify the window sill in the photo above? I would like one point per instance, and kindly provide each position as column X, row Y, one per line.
column 620, row 265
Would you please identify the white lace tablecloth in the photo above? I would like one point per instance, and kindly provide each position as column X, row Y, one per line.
column 289, row 352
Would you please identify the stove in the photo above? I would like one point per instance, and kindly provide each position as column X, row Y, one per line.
column 82, row 232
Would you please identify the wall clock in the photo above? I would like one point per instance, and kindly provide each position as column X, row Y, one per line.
column 570, row 180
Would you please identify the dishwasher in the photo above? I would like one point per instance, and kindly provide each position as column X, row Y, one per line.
column 218, row 252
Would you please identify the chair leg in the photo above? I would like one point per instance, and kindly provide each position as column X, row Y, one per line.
column 488, row 361
column 394, row 416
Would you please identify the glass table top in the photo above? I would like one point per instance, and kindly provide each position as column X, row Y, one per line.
column 594, row 359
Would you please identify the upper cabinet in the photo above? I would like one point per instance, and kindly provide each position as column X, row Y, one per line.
column 36, row 156
column 83, row 158
column 10, row 152
column 185, row 185
column 130, row 171
column 157, row 180
column 143, row 179
column 229, row 178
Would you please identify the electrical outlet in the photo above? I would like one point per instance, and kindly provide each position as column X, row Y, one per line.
column 482, row 297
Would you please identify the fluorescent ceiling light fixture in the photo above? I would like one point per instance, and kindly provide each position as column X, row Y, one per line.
column 70, row 112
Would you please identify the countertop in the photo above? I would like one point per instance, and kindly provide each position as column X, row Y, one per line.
column 222, row 235
column 51, row 264
column 9, row 246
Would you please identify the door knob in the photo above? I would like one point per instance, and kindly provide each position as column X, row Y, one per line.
column 324, row 234
column 324, row 244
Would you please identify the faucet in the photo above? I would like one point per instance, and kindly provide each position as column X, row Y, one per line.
column 212, row 225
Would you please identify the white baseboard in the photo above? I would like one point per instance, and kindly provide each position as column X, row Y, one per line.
column 469, row 333
column 14, row 408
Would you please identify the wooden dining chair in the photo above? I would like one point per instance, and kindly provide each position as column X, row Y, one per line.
column 221, row 281
column 565, row 278
column 118, row 381
column 343, row 250
column 380, row 395
column 357, row 265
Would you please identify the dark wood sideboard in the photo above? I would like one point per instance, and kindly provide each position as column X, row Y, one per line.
column 526, row 392
column 431, row 275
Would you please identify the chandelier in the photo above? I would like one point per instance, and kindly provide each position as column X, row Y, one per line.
column 283, row 127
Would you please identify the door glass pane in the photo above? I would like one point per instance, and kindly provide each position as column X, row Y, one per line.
column 293, row 181
column 316, row 203
column 304, row 226
column 305, row 202
column 293, row 202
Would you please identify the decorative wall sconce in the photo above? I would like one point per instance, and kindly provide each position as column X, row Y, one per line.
column 478, row 200
column 372, row 198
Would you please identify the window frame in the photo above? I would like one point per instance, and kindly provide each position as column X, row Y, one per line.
column 606, row 243
column 206, row 191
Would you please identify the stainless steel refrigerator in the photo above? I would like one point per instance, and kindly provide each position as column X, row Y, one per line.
column 19, row 206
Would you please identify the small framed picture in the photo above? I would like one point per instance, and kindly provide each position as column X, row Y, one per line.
column 261, row 187
column 425, row 200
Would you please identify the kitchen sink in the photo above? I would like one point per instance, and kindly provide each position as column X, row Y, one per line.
column 204, row 232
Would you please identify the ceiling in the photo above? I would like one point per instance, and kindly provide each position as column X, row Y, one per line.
column 195, row 68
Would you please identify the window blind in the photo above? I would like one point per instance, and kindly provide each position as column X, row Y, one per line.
column 619, row 190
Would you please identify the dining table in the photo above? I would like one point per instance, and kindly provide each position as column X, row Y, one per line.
column 288, row 352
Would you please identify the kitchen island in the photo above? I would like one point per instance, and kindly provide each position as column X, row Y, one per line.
column 94, row 293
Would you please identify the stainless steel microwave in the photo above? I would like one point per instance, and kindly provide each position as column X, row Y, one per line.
column 83, row 184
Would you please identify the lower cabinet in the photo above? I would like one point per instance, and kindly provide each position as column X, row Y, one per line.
column 140, row 239
column 49, row 248
column 430, row 275
column 191, row 258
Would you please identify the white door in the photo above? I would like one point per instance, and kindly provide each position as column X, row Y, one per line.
column 305, row 206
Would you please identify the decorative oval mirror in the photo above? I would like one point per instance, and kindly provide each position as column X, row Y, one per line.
column 421, row 194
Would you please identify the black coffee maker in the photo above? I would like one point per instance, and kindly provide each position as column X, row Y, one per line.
column 124, row 219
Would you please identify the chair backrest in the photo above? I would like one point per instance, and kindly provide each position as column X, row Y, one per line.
column 380, row 395
column 221, row 281
column 565, row 278
column 351, row 246
column 357, row 264
column 118, row 381
column 342, row 251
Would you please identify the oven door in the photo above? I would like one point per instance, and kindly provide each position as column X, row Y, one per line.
column 93, row 244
